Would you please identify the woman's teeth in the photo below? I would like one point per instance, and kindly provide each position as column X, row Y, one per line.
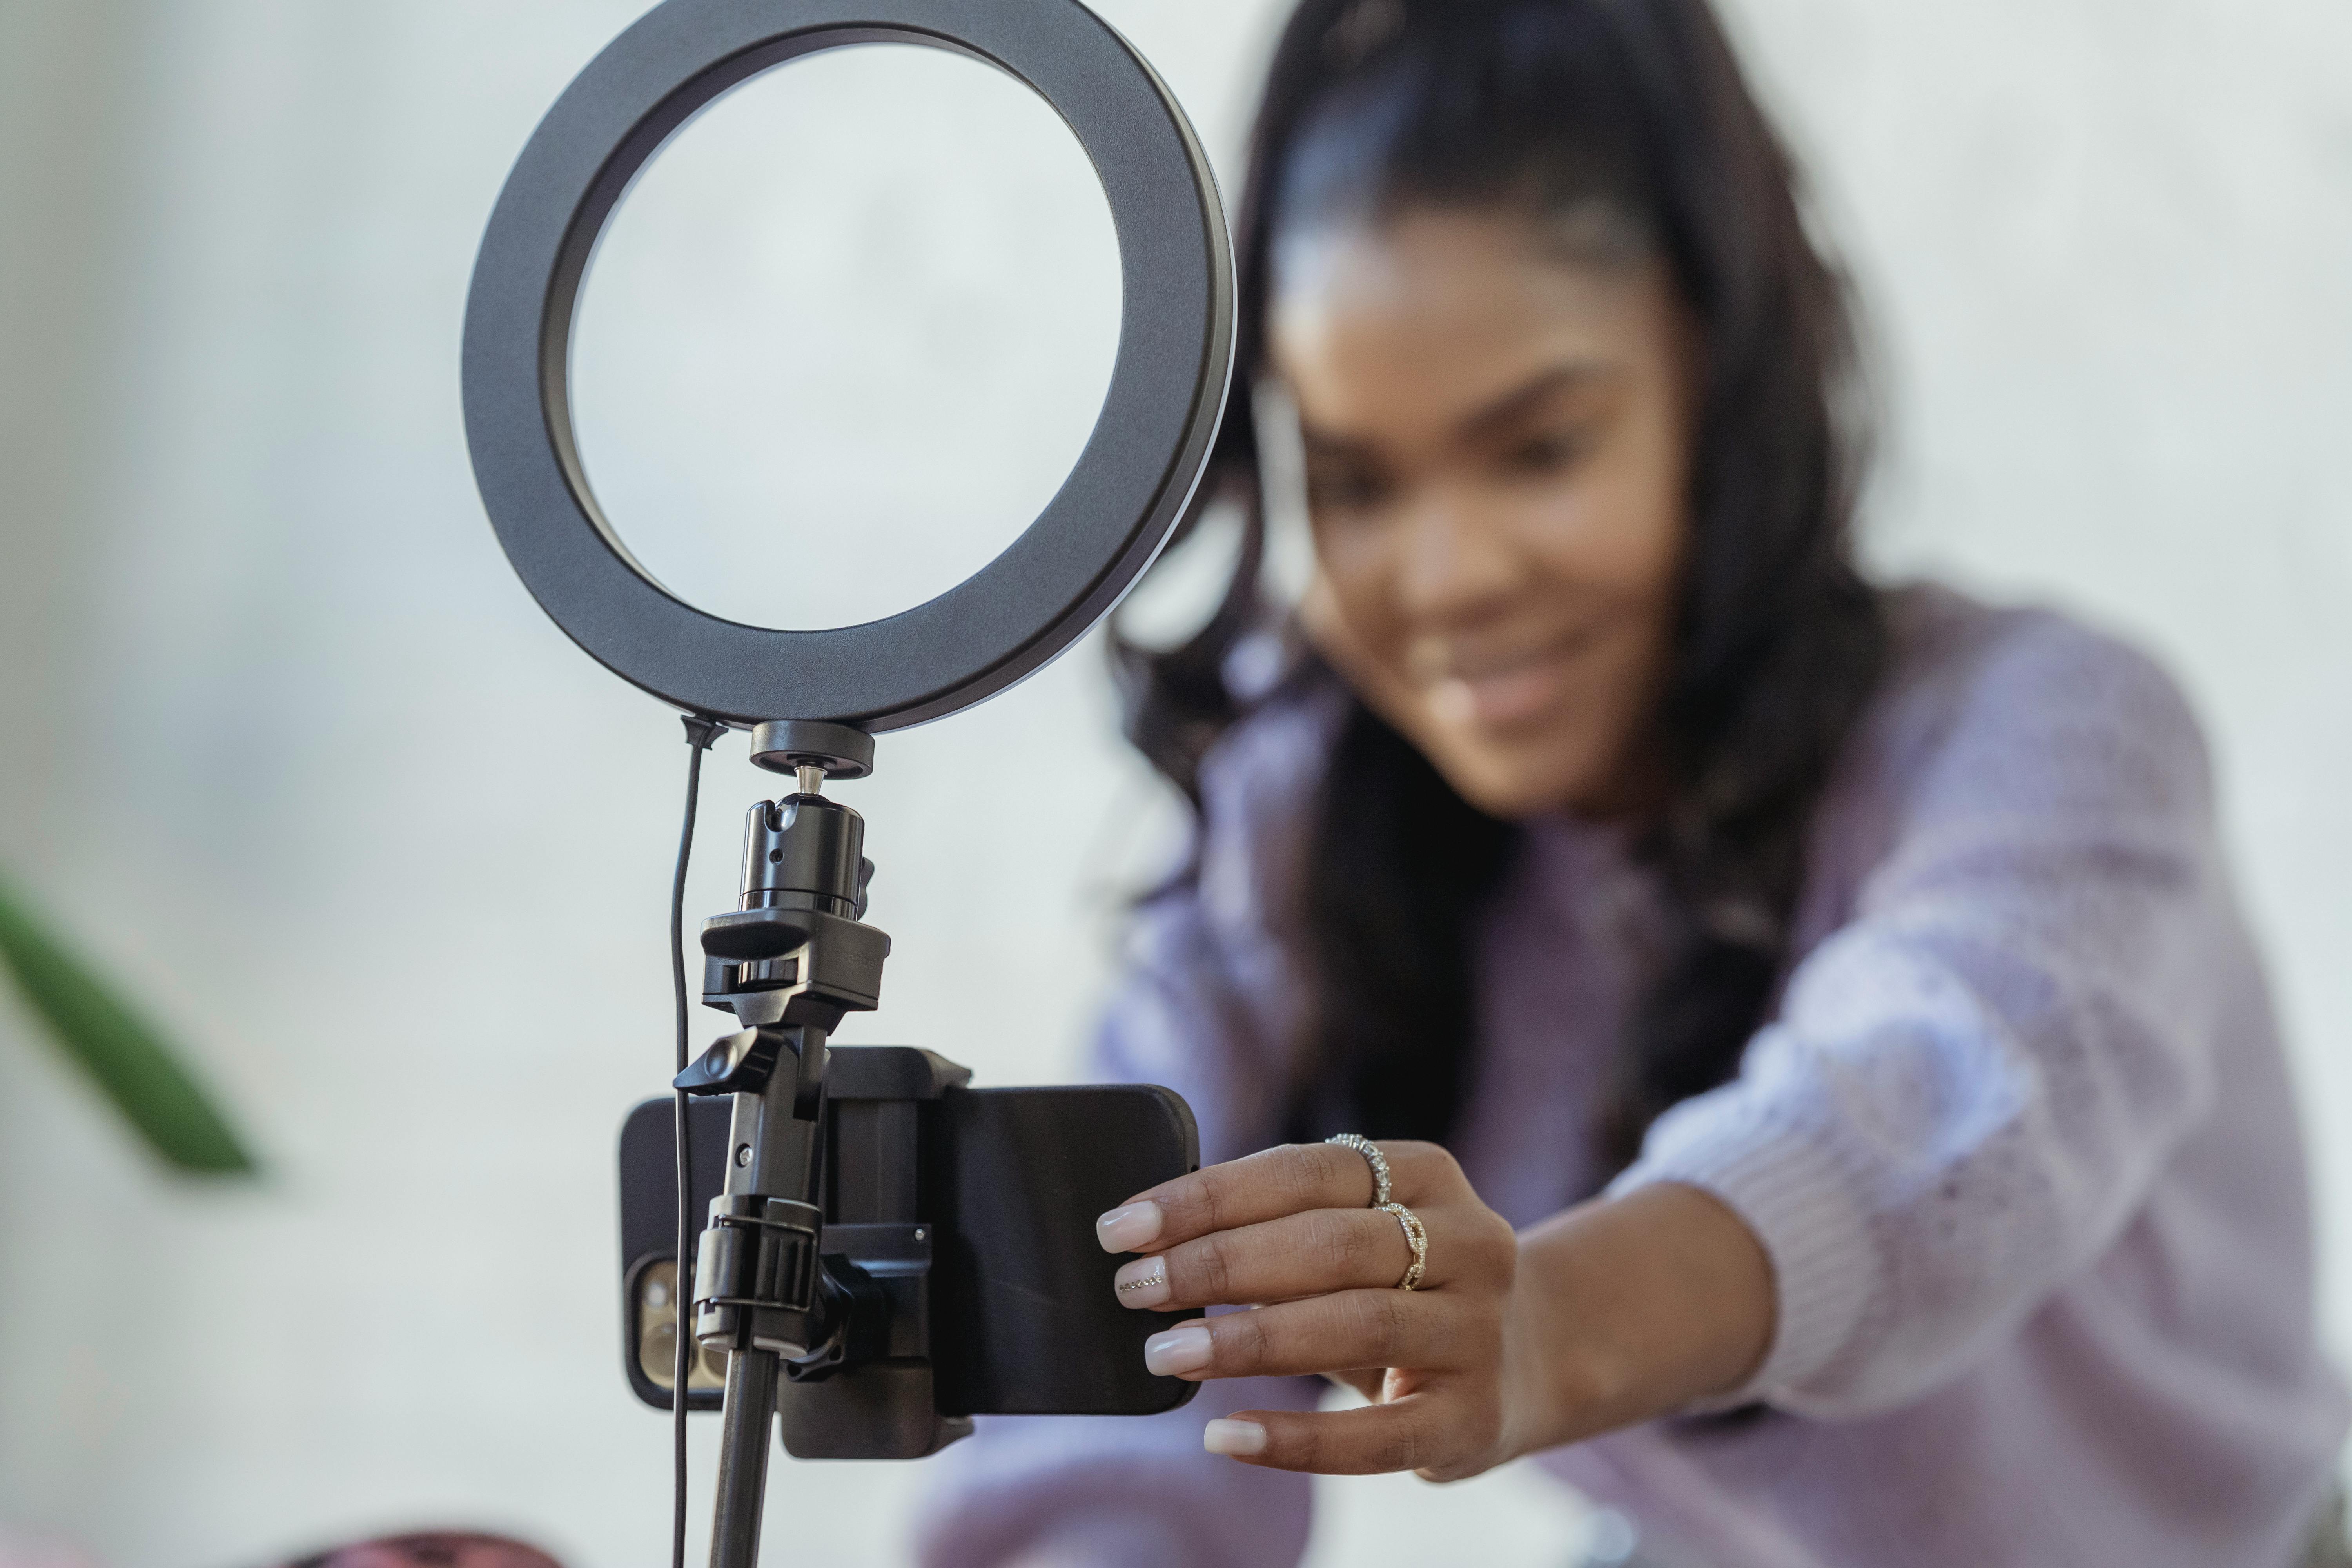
column 1505, row 695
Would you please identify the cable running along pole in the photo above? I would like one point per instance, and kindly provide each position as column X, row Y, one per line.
column 699, row 733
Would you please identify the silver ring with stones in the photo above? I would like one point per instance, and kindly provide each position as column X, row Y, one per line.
column 1382, row 1189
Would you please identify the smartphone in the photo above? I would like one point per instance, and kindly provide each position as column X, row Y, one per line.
column 989, row 1194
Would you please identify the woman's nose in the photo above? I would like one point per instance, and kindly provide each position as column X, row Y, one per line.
column 1455, row 560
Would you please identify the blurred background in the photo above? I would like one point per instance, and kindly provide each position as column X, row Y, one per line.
column 288, row 750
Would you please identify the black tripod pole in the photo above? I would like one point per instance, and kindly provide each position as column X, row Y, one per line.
column 768, row 1226
column 743, row 1459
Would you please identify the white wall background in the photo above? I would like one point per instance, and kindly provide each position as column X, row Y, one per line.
column 282, row 737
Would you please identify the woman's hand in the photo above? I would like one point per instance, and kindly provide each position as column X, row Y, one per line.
column 1612, row 1313
column 1290, row 1229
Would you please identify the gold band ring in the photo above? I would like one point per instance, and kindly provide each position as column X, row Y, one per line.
column 1417, row 1238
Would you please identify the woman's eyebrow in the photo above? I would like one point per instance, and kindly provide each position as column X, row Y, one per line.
column 1530, row 394
column 1497, row 412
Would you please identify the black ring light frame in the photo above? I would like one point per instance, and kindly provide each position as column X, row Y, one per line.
column 1112, row 514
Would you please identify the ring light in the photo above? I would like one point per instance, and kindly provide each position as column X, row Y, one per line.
column 1113, row 513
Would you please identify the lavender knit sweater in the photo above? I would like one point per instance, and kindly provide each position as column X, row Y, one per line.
column 2018, row 1139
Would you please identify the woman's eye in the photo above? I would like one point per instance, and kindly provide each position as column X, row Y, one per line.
column 1539, row 456
column 1344, row 490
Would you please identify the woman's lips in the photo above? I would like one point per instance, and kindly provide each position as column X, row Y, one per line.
column 1501, row 693
column 1500, row 698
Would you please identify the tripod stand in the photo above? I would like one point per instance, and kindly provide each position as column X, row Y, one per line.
column 789, row 962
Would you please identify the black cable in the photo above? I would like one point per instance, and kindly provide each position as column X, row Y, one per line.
column 699, row 733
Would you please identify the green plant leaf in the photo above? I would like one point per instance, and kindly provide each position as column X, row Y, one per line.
column 131, row 1064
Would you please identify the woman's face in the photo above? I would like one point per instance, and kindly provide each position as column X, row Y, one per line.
column 1497, row 454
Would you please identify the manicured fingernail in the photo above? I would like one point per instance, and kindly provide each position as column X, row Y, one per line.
column 1125, row 1229
column 1142, row 1283
column 1242, row 1437
column 1178, row 1351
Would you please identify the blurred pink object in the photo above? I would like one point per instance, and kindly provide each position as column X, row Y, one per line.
column 26, row 1552
column 432, row 1548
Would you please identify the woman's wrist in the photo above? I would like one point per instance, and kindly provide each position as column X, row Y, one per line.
column 1634, row 1306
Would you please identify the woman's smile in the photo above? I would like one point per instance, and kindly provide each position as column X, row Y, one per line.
column 1470, row 685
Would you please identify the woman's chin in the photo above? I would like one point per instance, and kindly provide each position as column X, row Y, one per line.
column 1514, row 776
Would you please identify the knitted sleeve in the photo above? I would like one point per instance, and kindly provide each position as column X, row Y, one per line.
column 1970, row 1087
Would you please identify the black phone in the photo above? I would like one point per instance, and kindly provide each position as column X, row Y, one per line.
column 985, row 1198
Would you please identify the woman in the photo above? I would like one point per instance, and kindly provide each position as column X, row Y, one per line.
column 1834, row 1106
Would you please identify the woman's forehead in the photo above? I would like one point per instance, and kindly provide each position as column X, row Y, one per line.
column 1451, row 313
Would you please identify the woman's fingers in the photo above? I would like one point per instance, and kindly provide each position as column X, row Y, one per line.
column 1348, row 1330
column 1297, row 1255
column 1264, row 1186
column 1419, row 1432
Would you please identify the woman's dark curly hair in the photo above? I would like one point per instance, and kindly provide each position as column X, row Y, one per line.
column 1635, row 111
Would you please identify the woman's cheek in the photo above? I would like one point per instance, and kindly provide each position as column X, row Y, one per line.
column 1343, row 619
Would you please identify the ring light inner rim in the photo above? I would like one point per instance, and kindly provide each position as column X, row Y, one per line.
column 565, row 294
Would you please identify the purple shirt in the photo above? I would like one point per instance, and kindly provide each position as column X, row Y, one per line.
column 2018, row 1139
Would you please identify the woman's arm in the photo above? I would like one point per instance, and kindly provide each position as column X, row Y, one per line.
column 1975, row 1083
